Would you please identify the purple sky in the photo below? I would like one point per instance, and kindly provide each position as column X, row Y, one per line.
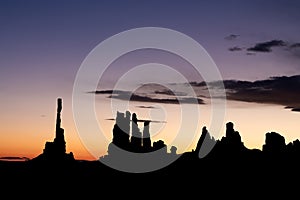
column 44, row 41
column 43, row 44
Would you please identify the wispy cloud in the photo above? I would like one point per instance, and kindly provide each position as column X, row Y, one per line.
column 126, row 96
column 294, row 50
column 14, row 158
column 235, row 48
column 250, row 53
column 139, row 98
column 147, row 107
column 295, row 45
column 110, row 92
column 285, row 48
column 281, row 90
column 170, row 92
column 142, row 120
column 267, row 46
column 231, row 37
column 296, row 109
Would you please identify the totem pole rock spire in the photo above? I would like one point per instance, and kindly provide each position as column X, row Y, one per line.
column 58, row 119
column 56, row 151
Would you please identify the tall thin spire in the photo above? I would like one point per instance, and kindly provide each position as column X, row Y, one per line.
column 58, row 119
column 56, row 150
column 136, row 135
column 146, row 136
column 59, row 139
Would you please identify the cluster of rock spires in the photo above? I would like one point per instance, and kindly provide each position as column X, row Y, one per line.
column 231, row 146
column 128, row 137
column 129, row 141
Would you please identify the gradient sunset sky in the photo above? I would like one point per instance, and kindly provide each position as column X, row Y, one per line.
column 255, row 45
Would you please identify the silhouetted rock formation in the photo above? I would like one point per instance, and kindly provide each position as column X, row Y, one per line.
column 275, row 148
column 233, row 138
column 173, row 150
column 201, row 140
column 229, row 147
column 132, row 147
column 134, row 140
column 274, row 144
column 232, row 149
column 293, row 147
column 56, row 151
column 128, row 138
column 226, row 159
column 136, row 135
column 146, row 137
column 159, row 145
column 121, row 131
column 205, row 143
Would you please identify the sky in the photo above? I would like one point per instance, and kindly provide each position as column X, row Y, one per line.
column 254, row 44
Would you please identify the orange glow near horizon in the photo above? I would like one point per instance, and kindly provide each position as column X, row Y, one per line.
column 28, row 137
column 52, row 50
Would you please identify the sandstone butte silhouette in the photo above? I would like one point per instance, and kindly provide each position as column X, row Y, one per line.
column 228, row 154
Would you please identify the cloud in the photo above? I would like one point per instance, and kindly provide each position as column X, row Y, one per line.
column 170, row 92
column 146, row 107
column 295, row 45
column 281, row 90
column 235, row 48
column 292, row 108
column 126, row 95
column 198, row 84
column 142, row 120
column 267, row 46
column 231, row 37
column 139, row 98
column 110, row 119
column 291, row 50
column 121, row 92
column 296, row 109
column 12, row 158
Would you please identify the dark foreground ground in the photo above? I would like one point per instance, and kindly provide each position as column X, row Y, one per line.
column 190, row 177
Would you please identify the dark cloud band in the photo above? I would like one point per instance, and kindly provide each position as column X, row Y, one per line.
column 267, row 46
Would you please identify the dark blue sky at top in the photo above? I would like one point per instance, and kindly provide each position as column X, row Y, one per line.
column 46, row 41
